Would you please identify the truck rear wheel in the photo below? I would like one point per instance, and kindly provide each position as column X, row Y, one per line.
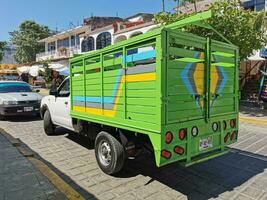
column 109, row 153
column 49, row 127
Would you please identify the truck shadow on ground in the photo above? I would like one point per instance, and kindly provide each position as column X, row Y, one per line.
column 210, row 179
column 219, row 177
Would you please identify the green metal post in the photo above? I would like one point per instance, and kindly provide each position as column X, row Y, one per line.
column 207, row 79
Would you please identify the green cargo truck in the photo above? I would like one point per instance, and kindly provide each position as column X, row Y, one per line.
column 172, row 92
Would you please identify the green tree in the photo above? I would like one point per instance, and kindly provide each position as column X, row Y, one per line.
column 2, row 47
column 26, row 40
column 246, row 29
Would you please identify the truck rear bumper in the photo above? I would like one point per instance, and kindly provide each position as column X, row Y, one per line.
column 206, row 156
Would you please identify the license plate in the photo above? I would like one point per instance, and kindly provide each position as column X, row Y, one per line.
column 205, row 143
column 28, row 109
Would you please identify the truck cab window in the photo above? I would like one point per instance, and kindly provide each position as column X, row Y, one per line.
column 64, row 89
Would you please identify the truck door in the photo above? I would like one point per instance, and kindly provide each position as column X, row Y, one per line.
column 61, row 109
column 224, row 95
column 185, row 80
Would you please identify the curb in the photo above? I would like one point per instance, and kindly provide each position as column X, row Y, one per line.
column 253, row 120
column 58, row 182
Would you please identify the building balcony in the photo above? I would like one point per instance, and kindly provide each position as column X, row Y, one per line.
column 62, row 52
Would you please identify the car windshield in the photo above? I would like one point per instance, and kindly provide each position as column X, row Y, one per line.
column 14, row 87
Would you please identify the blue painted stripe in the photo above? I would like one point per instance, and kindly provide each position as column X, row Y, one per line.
column 224, row 81
column 185, row 76
column 140, row 56
column 94, row 99
column 118, row 80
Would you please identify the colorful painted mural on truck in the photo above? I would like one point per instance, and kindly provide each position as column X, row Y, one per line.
column 179, row 89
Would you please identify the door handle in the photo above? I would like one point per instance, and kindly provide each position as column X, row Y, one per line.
column 66, row 103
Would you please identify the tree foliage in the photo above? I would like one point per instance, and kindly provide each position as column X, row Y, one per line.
column 26, row 40
column 246, row 29
column 2, row 47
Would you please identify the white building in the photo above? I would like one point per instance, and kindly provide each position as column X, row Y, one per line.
column 62, row 45
column 96, row 33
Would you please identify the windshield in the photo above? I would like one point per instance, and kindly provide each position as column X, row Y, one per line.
column 14, row 87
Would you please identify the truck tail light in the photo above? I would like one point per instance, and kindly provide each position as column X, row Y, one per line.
column 232, row 123
column 168, row 137
column 179, row 150
column 226, row 138
column 215, row 127
column 166, row 154
column 194, row 131
column 234, row 135
column 224, row 125
column 182, row 134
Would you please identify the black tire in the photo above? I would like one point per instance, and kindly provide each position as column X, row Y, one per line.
column 117, row 153
column 49, row 127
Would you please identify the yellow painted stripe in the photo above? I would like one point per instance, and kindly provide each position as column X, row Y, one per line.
column 252, row 120
column 141, row 77
column 78, row 109
column 111, row 113
column 62, row 186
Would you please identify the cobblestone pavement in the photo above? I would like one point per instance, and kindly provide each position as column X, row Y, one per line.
column 240, row 174
column 19, row 179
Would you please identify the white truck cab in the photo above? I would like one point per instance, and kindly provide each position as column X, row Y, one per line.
column 55, row 108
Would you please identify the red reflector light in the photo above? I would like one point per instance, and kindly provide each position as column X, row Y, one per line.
column 166, row 154
column 224, row 125
column 226, row 138
column 234, row 135
column 232, row 123
column 182, row 134
column 168, row 137
column 179, row 150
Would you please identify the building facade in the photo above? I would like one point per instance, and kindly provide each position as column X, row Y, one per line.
column 96, row 33
column 9, row 53
column 61, row 45
column 203, row 5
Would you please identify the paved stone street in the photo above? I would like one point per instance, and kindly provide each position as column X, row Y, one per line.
column 240, row 174
column 19, row 179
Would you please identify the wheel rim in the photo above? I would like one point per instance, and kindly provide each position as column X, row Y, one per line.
column 104, row 153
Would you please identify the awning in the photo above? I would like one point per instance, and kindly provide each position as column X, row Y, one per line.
column 256, row 57
column 61, row 68
column 34, row 70
column 23, row 69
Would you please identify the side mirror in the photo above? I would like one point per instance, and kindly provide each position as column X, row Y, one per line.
column 53, row 92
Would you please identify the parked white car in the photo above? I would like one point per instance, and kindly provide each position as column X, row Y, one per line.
column 18, row 98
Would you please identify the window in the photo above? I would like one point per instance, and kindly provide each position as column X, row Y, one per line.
column 64, row 90
column 14, row 87
column 72, row 40
column 63, row 43
column 51, row 46
column 103, row 40
column 77, row 40
column 88, row 44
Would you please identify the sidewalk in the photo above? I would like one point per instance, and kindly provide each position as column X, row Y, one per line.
column 19, row 179
column 253, row 115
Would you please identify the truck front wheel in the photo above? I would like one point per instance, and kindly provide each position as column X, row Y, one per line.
column 49, row 127
column 109, row 153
